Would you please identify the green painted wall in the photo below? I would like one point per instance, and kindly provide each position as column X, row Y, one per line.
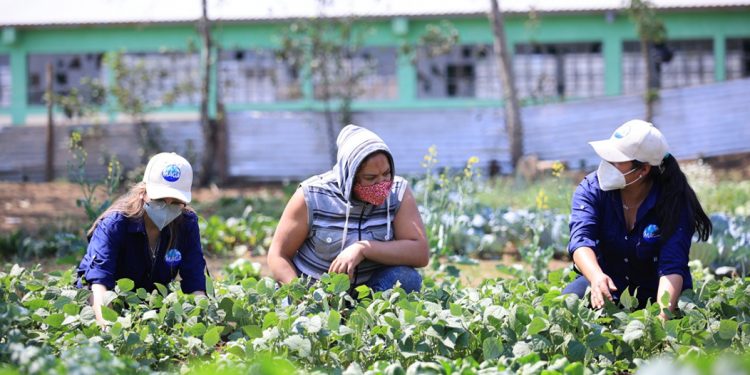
column 610, row 31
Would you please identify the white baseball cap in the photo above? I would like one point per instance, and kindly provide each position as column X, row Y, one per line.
column 633, row 140
column 168, row 175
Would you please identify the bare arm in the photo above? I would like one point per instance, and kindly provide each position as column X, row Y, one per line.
column 409, row 247
column 97, row 300
column 673, row 285
column 601, row 284
column 289, row 236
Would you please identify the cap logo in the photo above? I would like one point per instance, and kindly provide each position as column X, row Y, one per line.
column 171, row 173
column 622, row 132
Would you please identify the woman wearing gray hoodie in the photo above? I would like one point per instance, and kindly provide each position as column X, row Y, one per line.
column 358, row 218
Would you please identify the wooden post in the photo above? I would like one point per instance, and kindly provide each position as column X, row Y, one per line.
column 49, row 165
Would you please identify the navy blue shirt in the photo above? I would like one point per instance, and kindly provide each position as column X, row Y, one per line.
column 633, row 258
column 119, row 249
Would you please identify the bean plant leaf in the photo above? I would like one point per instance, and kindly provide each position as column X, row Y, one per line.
column 54, row 320
column 633, row 331
column 492, row 348
column 627, row 300
column 334, row 320
column 537, row 325
column 576, row 351
column 727, row 329
column 212, row 336
column 109, row 314
column 125, row 285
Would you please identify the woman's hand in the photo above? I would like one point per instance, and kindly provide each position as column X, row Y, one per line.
column 601, row 287
column 348, row 259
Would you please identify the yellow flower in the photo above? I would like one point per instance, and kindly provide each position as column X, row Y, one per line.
column 542, row 200
column 557, row 168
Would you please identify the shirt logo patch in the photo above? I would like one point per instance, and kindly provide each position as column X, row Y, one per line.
column 173, row 257
column 651, row 233
column 171, row 173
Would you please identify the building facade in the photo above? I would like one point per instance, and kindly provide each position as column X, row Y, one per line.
column 561, row 54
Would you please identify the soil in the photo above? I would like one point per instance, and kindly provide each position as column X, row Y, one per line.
column 35, row 207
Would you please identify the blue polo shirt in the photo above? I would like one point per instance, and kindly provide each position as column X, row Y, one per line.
column 119, row 249
column 633, row 259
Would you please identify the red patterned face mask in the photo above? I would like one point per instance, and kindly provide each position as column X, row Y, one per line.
column 374, row 194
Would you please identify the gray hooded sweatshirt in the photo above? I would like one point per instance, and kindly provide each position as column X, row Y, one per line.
column 333, row 213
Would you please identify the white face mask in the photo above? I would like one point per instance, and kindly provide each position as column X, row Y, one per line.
column 610, row 178
column 162, row 213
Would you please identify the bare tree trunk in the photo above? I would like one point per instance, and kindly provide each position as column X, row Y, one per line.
column 49, row 166
column 221, row 145
column 331, row 123
column 510, row 98
column 207, row 127
column 649, row 95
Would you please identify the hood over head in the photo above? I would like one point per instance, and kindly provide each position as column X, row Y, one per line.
column 355, row 144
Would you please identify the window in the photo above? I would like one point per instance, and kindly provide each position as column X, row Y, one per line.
column 560, row 70
column 69, row 71
column 4, row 81
column 738, row 58
column 373, row 68
column 467, row 71
column 675, row 64
column 249, row 76
column 169, row 78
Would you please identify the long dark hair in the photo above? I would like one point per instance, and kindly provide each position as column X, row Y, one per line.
column 677, row 195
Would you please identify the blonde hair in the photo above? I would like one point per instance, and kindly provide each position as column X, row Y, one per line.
column 131, row 205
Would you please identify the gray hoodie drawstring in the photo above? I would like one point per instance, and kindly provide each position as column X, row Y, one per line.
column 388, row 220
column 346, row 226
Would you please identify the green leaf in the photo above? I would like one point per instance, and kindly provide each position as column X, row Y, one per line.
column 197, row 330
column 595, row 340
column 727, row 329
column 362, row 291
column 132, row 339
column 456, row 309
column 633, row 331
column 576, row 351
column 125, row 285
column 574, row 369
column 536, row 325
column 55, row 320
column 150, row 314
column 212, row 336
column 253, row 331
column 34, row 285
column 141, row 293
column 116, row 329
column 334, row 320
column 71, row 309
column 270, row 320
column 109, row 314
column 210, row 287
column 492, row 348
column 628, row 301
column 338, row 283
column 162, row 289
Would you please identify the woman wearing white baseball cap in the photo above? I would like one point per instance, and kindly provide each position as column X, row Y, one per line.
column 632, row 221
column 148, row 235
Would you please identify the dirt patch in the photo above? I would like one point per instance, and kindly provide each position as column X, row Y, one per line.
column 35, row 207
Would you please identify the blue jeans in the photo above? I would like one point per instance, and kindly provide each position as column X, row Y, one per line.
column 386, row 277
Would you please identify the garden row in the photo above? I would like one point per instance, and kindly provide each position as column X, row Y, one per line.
column 249, row 325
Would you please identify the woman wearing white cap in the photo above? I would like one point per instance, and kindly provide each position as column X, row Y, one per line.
column 632, row 221
column 148, row 235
